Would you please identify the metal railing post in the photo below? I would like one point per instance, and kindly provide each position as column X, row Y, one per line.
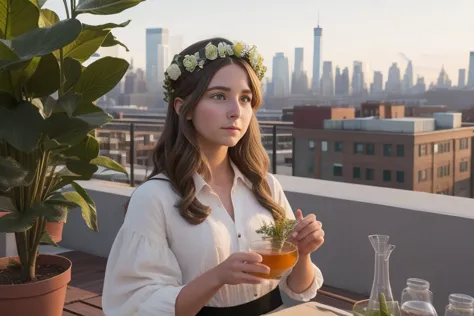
column 274, row 153
column 132, row 154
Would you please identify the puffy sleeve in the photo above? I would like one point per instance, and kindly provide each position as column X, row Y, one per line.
column 142, row 277
column 309, row 293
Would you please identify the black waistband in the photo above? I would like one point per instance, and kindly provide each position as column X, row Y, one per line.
column 261, row 305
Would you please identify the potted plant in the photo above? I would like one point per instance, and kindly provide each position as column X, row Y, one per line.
column 47, row 140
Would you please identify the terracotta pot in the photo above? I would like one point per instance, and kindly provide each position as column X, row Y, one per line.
column 42, row 298
column 55, row 230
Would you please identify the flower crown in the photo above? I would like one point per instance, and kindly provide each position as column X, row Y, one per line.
column 209, row 53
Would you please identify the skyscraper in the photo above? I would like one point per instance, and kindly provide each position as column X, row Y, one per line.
column 358, row 82
column 345, row 81
column 376, row 88
column 318, row 32
column 280, row 75
column 462, row 78
column 470, row 76
column 393, row 84
column 299, row 79
column 408, row 78
column 157, row 40
column 327, row 81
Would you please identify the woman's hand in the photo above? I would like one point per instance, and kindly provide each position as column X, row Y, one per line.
column 235, row 269
column 308, row 234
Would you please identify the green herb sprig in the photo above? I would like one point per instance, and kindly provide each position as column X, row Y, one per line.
column 277, row 232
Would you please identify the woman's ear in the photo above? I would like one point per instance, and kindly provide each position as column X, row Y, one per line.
column 178, row 103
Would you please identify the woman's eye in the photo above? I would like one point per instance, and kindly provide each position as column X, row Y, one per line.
column 218, row 96
column 246, row 99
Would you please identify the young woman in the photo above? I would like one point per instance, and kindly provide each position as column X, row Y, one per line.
column 183, row 248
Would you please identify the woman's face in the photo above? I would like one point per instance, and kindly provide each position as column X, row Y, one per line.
column 223, row 114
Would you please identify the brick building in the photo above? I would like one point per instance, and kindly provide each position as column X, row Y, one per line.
column 421, row 154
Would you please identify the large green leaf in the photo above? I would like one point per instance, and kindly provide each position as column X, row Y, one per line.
column 66, row 130
column 20, row 75
column 21, row 127
column 89, row 212
column 6, row 99
column 6, row 204
column 87, row 149
column 105, row 7
column 69, row 102
column 17, row 17
column 88, row 42
column 39, row 3
column 46, row 239
column 100, row 77
column 109, row 164
column 12, row 174
column 47, row 18
column 45, row 80
column 84, row 169
column 107, row 26
column 96, row 119
column 6, row 53
column 17, row 222
column 111, row 40
column 72, row 72
column 44, row 41
column 52, row 210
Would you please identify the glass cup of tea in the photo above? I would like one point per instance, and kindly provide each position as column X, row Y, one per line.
column 278, row 256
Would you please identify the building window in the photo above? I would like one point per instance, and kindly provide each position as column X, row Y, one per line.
column 422, row 175
column 356, row 173
column 444, row 171
column 338, row 147
column 369, row 174
column 464, row 143
column 422, row 150
column 311, row 144
column 400, row 150
column 358, row 148
column 444, row 147
column 400, row 175
column 324, row 146
column 387, row 175
column 370, row 149
column 387, row 150
column 463, row 166
column 337, row 170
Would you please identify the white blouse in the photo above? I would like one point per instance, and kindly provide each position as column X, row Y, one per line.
column 156, row 252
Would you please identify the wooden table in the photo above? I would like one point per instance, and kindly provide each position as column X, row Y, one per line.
column 82, row 303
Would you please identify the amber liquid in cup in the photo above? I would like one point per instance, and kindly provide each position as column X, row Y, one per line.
column 278, row 260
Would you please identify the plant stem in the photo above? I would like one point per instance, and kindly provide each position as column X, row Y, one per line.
column 73, row 9
column 61, row 72
column 66, row 8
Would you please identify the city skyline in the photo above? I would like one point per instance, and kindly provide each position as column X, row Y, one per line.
column 367, row 31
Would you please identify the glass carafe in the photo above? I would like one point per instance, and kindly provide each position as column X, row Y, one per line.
column 417, row 299
column 460, row 305
column 381, row 282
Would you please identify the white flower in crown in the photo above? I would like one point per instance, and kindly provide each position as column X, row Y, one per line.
column 222, row 49
column 190, row 62
column 173, row 72
column 253, row 56
column 211, row 51
column 201, row 63
column 230, row 50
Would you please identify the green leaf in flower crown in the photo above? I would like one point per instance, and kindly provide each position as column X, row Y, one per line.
column 72, row 72
column 45, row 80
column 47, row 18
column 89, row 212
column 44, row 41
column 100, row 77
column 22, row 126
column 85, row 45
column 17, row 17
column 87, row 149
column 109, row 164
column 105, row 7
column 12, row 174
column 111, row 40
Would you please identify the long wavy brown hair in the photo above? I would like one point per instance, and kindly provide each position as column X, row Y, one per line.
column 177, row 154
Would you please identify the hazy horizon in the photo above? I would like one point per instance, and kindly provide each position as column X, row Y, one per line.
column 431, row 33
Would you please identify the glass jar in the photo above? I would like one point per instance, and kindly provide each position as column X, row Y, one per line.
column 417, row 299
column 460, row 305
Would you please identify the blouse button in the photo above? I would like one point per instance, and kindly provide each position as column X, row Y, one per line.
column 239, row 235
column 255, row 294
